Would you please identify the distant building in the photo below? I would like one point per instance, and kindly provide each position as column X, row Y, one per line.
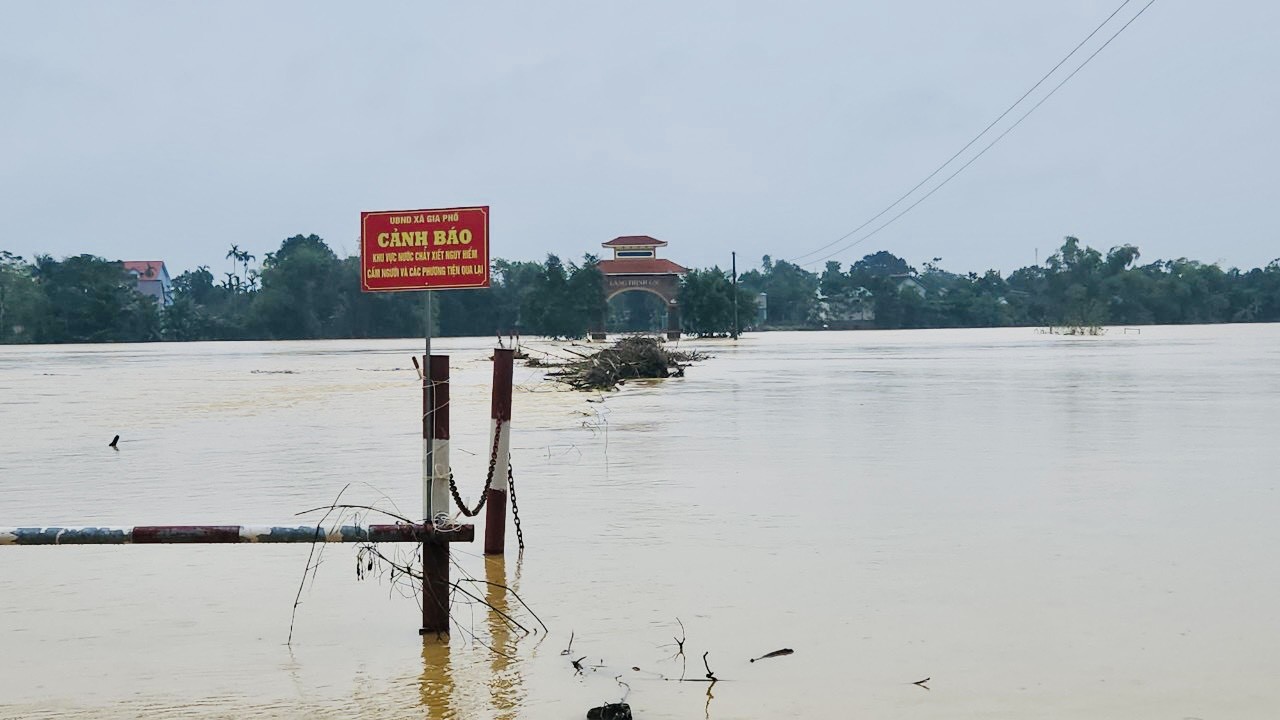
column 923, row 285
column 848, row 311
column 153, row 279
column 908, row 282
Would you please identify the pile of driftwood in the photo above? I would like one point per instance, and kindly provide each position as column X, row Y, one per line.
column 632, row 357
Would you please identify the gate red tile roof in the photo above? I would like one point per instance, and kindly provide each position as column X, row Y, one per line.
column 634, row 241
column 146, row 269
column 641, row 266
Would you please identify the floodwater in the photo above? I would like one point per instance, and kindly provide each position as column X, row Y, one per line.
column 1044, row 526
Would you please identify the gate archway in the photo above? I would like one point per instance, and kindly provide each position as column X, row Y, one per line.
column 635, row 266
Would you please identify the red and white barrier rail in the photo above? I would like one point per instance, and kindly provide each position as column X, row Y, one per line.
column 192, row 534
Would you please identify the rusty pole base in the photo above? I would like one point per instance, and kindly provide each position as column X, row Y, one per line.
column 435, row 587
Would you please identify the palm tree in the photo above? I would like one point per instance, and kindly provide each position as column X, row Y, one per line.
column 245, row 258
column 234, row 255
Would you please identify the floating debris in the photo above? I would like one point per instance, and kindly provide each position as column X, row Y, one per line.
column 632, row 357
column 113, row 442
column 610, row 711
column 774, row 654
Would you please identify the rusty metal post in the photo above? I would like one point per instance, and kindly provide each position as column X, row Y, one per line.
column 428, row 405
column 435, row 587
column 435, row 554
column 495, row 525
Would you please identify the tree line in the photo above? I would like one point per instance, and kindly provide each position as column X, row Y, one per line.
column 303, row 290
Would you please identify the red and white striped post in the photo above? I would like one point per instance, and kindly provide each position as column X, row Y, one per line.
column 439, row 480
column 495, row 526
column 435, row 493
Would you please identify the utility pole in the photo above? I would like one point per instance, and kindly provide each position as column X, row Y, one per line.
column 735, row 294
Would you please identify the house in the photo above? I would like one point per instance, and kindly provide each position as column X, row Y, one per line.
column 152, row 278
column 924, row 285
column 848, row 311
column 908, row 282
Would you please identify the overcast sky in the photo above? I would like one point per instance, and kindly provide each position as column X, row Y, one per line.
column 149, row 130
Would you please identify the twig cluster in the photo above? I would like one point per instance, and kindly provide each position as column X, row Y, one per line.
column 631, row 357
column 403, row 572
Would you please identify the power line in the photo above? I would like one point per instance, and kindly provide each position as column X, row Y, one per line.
column 975, row 138
column 969, row 144
column 999, row 137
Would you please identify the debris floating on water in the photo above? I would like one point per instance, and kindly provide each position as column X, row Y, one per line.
column 632, row 357
column 113, row 442
column 774, row 654
column 610, row 711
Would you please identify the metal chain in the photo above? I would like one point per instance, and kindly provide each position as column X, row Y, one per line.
column 515, row 507
column 488, row 481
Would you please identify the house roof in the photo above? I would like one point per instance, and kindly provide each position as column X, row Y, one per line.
column 634, row 241
column 641, row 266
column 146, row 269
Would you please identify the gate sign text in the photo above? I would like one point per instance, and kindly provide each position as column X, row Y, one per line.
column 424, row 249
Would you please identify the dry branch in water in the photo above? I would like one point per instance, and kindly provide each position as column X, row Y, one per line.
column 313, row 563
column 405, row 575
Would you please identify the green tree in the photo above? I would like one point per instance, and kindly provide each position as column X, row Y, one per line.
column 89, row 299
column 706, row 303
column 792, row 291
column 562, row 301
column 21, row 303
column 300, row 290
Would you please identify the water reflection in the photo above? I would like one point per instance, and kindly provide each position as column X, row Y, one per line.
column 497, row 636
column 506, row 689
column 436, row 686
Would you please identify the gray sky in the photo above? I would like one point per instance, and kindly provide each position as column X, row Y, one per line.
column 148, row 130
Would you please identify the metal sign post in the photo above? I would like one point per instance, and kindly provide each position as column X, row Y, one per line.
column 428, row 422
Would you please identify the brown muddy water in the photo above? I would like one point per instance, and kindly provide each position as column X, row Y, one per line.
column 1045, row 526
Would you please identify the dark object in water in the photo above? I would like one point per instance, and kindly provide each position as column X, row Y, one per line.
column 113, row 442
column 921, row 683
column 774, row 654
column 610, row 711
column 631, row 357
